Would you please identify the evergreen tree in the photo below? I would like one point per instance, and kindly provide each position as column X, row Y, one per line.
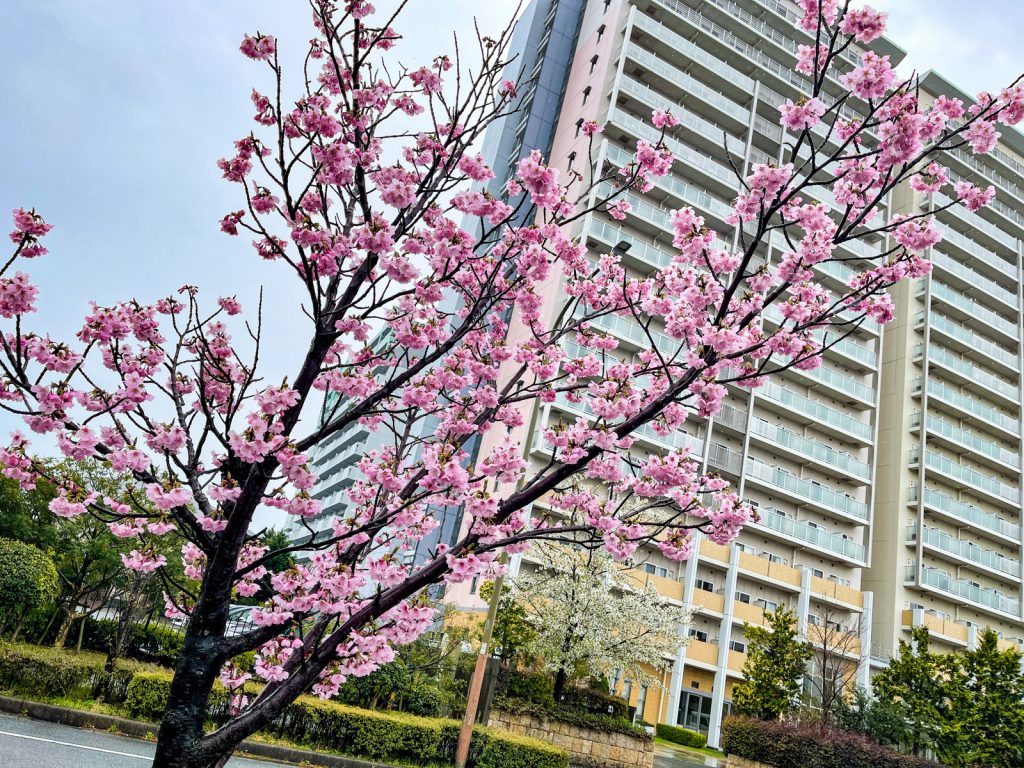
column 986, row 690
column 916, row 683
column 775, row 665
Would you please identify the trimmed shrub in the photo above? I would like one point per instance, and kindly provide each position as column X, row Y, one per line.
column 601, row 722
column 531, row 686
column 30, row 670
column 425, row 700
column 28, row 581
column 798, row 745
column 596, row 702
column 365, row 733
column 683, row 736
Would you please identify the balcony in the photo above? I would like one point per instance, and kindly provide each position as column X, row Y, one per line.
column 816, row 413
column 949, row 396
column 677, row 440
column 981, row 253
column 848, row 346
column 966, row 439
column 969, row 476
column 971, row 340
column 973, row 309
column 968, row 373
column 806, row 491
column 964, row 513
column 725, row 460
column 811, row 449
column 972, row 279
column 964, row 590
column 964, row 550
column 803, row 532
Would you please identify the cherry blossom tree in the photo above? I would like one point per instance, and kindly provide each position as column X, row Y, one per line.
column 360, row 189
column 589, row 613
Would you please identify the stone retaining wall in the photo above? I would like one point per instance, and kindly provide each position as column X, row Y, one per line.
column 735, row 761
column 587, row 748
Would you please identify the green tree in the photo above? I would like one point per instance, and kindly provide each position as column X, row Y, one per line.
column 877, row 719
column 776, row 662
column 915, row 684
column 986, row 712
column 513, row 632
column 28, row 583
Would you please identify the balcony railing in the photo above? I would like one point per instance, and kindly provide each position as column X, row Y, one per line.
column 810, row 448
column 964, row 334
column 950, row 396
column 963, row 589
column 966, row 474
column 970, row 371
column 991, row 288
column 973, row 308
column 810, row 534
column 966, row 550
column 820, row 494
column 815, row 410
column 965, row 437
column 967, row 513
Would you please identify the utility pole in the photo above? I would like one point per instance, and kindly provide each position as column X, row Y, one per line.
column 476, row 682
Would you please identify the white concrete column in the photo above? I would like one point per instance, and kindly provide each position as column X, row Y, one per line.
column 803, row 602
column 724, row 635
column 676, row 684
column 864, row 667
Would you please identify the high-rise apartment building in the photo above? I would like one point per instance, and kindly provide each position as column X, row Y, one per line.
column 947, row 532
column 803, row 446
column 887, row 480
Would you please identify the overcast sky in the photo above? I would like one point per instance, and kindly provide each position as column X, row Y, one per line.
column 115, row 112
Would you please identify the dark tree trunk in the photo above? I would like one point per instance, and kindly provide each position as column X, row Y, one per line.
column 560, row 677
column 179, row 741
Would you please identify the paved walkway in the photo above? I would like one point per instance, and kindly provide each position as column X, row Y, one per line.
column 666, row 757
column 37, row 744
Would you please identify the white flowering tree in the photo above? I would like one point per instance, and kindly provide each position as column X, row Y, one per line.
column 589, row 613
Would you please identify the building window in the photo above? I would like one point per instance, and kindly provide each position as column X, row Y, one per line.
column 641, row 702
column 657, row 570
column 593, row 64
column 607, row 5
column 579, row 126
column 736, row 645
column 818, row 572
column 600, row 32
column 699, row 634
column 586, row 94
column 572, row 158
column 472, row 585
column 704, row 584
column 743, row 597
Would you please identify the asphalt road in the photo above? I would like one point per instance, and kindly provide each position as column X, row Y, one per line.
column 28, row 743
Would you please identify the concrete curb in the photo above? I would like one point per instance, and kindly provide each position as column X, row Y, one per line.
column 79, row 719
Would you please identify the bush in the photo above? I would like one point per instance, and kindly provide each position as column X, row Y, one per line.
column 154, row 644
column 595, row 701
column 534, row 686
column 425, row 699
column 582, row 718
column 29, row 670
column 397, row 736
column 28, row 581
column 682, row 736
column 796, row 745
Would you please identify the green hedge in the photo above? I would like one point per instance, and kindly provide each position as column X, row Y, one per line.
column 365, row 733
column 531, row 686
column 50, row 672
column 801, row 745
column 571, row 716
column 682, row 736
column 596, row 702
